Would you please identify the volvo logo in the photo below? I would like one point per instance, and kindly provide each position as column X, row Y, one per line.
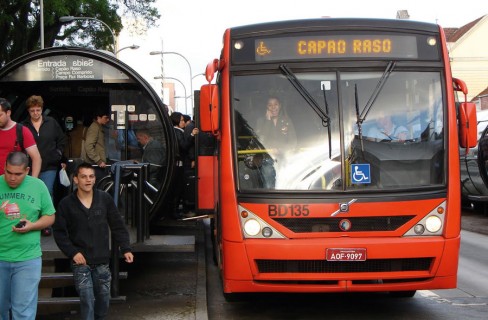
column 343, row 207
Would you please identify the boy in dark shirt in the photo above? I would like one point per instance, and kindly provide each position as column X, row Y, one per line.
column 81, row 231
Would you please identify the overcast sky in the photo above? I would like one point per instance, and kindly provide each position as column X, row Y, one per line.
column 194, row 28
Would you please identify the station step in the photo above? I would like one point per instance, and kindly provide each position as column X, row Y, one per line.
column 63, row 279
column 155, row 243
column 72, row 300
column 166, row 243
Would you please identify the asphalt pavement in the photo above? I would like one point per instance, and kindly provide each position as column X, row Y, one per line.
column 474, row 221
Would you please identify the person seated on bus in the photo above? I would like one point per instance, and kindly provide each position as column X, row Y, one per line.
column 277, row 134
column 153, row 153
column 387, row 131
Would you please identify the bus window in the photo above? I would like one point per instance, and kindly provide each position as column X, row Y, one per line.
column 400, row 140
column 282, row 144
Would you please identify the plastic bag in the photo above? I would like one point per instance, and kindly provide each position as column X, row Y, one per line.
column 63, row 178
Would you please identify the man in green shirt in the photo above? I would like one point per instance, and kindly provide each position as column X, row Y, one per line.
column 25, row 209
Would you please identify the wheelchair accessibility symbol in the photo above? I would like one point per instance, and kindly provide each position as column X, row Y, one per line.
column 360, row 173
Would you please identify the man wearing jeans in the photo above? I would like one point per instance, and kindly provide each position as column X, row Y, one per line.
column 25, row 209
column 85, row 219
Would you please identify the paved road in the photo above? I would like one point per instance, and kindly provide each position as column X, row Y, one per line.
column 474, row 221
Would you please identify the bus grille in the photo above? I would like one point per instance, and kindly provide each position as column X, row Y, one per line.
column 302, row 225
column 323, row 266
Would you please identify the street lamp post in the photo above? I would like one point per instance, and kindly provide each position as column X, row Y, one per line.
column 184, row 89
column 189, row 66
column 71, row 18
column 41, row 23
column 133, row 47
column 198, row 74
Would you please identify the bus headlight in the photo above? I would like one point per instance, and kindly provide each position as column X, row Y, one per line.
column 433, row 224
column 419, row 229
column 267, row 232
column 252, row 227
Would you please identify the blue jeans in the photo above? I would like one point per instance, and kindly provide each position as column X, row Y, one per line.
column 18, row 288
column 92, row 282
column 48, row 177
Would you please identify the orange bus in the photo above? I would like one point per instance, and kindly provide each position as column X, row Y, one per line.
column 336, row 159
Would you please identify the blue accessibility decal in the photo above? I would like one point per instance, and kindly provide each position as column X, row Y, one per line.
column 360, row 173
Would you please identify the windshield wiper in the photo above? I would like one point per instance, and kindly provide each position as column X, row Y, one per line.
column 359, row 121
column 362, row 117
column 328, row 120
column 377, row 90
column 324, row 116
column 305, row 94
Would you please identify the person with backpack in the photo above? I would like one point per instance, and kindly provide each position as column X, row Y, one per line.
column 16, row 137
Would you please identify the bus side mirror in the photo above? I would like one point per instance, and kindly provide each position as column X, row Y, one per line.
column 460, row 85
column 468, row 134
column 209, row 108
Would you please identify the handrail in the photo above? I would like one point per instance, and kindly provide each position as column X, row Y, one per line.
column 142, row 219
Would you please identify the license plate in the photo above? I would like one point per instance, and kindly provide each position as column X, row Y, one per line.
column 346, row 254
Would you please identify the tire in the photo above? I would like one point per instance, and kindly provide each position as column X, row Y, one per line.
column 106, row 184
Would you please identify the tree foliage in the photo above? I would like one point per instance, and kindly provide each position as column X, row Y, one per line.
column 20, row 30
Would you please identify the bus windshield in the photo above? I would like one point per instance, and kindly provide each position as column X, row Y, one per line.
column 371, row 138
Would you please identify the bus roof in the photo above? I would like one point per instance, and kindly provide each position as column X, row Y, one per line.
column 325, row 23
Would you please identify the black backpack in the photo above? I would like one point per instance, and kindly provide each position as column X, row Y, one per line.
column 19, row 140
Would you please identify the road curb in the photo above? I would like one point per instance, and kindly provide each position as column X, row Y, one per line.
column 201, row 312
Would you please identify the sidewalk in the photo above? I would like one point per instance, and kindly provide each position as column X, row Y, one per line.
column 474, row 221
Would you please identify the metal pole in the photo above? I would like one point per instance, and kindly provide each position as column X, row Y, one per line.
column 162, row 74
column 71, row 18
column 111, row 31
column 187, row 62
column 115, row 249
column 191, row 74
column 133, row 47
column 141, row 218
column 42, row 24
column 184, row 89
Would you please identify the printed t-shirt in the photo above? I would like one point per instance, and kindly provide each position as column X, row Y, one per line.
column 29, row 200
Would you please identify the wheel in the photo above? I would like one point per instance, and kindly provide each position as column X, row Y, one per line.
column 106, row 184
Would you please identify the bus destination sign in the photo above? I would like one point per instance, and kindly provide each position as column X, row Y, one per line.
column 336, row 46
